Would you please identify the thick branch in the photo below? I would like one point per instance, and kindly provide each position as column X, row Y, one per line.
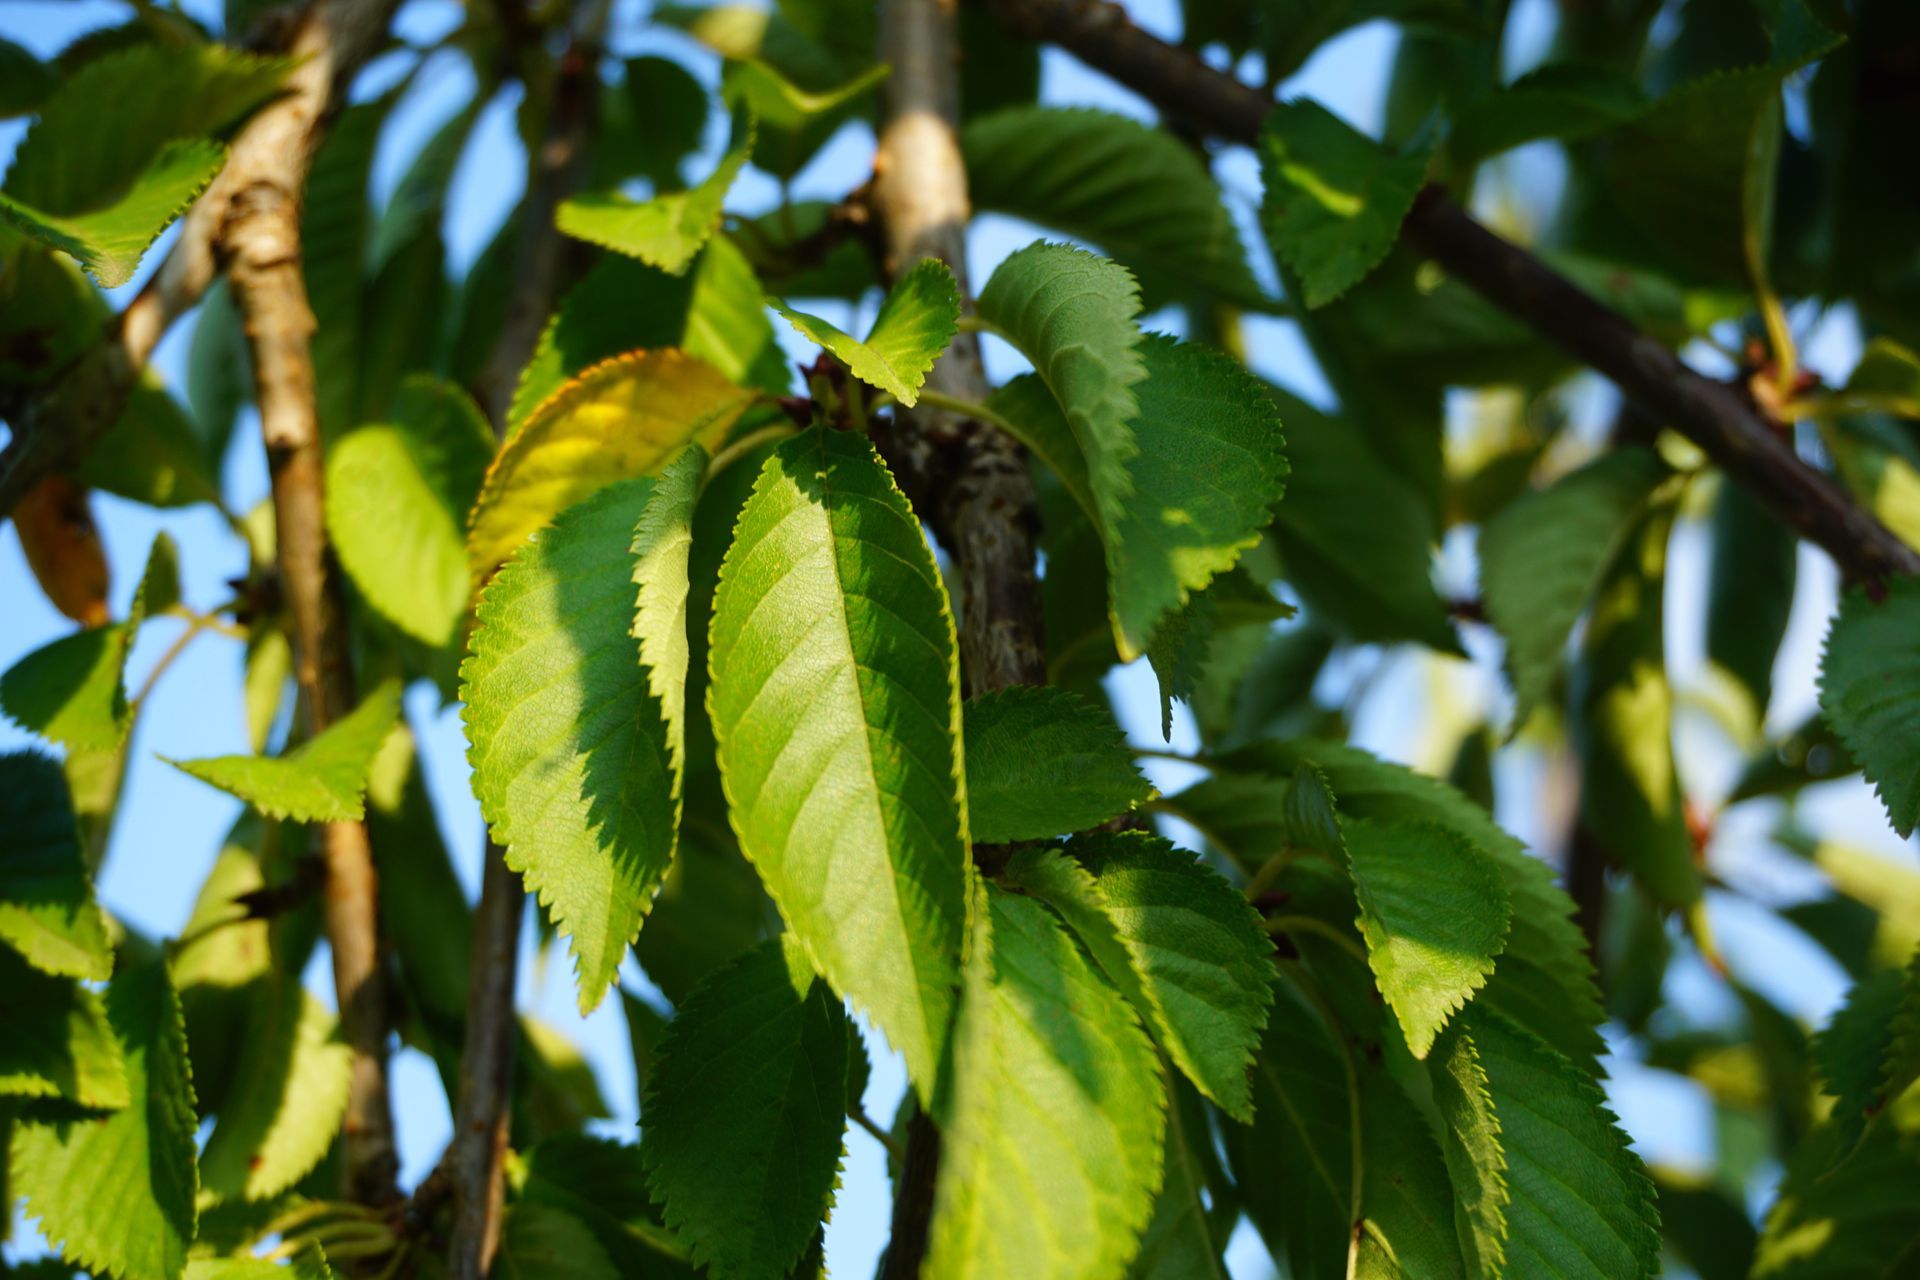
column 256, row 237
column 54, row 429
column 971, row 476
column 1706, row 412
column 982, row 495
column 261, row 246
column 476, row 1158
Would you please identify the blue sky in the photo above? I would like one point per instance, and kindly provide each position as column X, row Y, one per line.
column 1414, row 708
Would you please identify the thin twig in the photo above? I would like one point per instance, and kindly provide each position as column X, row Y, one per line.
column 56, row 426
column 475, row 1162
column 251, row 218
column 1706, row 412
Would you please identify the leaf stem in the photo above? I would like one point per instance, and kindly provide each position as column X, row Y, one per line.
column 1842, row 403
column 972, row 323
column 747, row 444
column 860, row 1117
column 967, row 409
column 1307, row 924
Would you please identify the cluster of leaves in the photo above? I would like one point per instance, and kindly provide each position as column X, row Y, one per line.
column 713, row 696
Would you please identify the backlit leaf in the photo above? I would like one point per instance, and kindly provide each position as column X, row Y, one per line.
column 1202, row 484
column 47, row 911
column 666, row 231
column 1051, row 1138
column 575, row 724
column 322, row 779
column 1434, row 915
column 1176, row 939
column 791, row 123
column 715, row 312
column 288, row 1096
column 139, row 1159
column 58, row 1043
column 835, row 702
column 398, row 493
column 109, row 241
column 1073, row 314
column 627, row 416
column 1621, row 721
column 914, row 326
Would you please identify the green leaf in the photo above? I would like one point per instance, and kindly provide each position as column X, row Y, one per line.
column 336, row 227
column 1754, row 568
column 1335, row 197
column 47, row 911
column 138, row 1160
column 1562, row 1193
column 666, row 231
column 109, row 120
column 914, row 326
column 288, row 1097
column 71, row 690
column 791, row 124
column 575, row 723
column 649, row 122
column 1621, row 721
column 1176, row 939
column 1138, row 192
column 715, row 312
column 604, row 1185
column 1684, row 171
column 1294, row 1162
column 1854, row 1219
column 322, row 779
column 1052, row 1133
column 745, row 1110
column 1354, row 536
column 1870, row 693
column 710, row 909
column 1542, row 558
column 1178, row 1243
column 310, row 1264
column 1203, row 483
column 1403, row 1227
column 1434, row 915
column 1073, row 315
column 397, row 499
column 1543, row 980
column 1563, row 100
column 110, row 241
column 58, row 1043
column 25, row 81
column 1045, row 762
column 540, row 1242
column 835, row 703
column 625, row 417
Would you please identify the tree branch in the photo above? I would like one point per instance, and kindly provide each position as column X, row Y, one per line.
column 1706, row 412
column 970, row 477
column 55, row 428
column 981, row 494
column 475, row 1162
column 249, row 222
